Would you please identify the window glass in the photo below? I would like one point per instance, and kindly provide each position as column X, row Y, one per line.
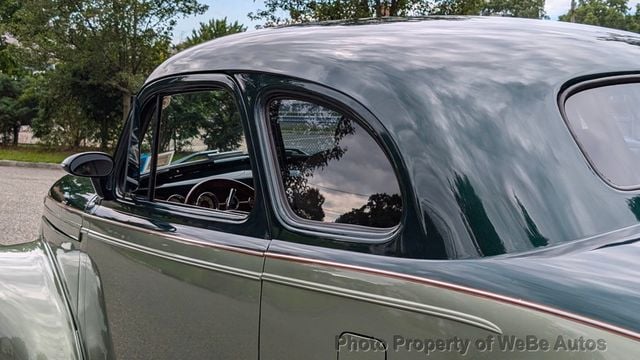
column 606, row 123
column 332, row 170
column 202, row 157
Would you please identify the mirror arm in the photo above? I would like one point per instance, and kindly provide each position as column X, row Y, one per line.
column 101, row 187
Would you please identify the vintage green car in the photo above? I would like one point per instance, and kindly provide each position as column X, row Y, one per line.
column 396, row 189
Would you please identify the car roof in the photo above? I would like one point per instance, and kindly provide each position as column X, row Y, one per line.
column 362, row 49
column 405, row 61
column 471, row 104
column 402, row 60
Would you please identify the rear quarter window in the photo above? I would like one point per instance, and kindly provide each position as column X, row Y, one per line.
column 332, row 169
column 605, row 122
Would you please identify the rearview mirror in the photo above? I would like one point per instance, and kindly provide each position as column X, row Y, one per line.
column 91, row 164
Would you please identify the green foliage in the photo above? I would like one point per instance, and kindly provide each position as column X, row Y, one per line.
column 458, row 7
column 516, row 8
column 209, row 116
column 278, row 12
column 62, row 120
column 17, row 106
column 213, row 29
column 105, row 49
column 8, row 61
column 614, row 14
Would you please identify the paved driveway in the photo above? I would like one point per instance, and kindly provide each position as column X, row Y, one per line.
column 22, row 191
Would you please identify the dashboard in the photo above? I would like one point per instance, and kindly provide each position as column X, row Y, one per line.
column 215, row 193
column 221, row 194
column 220, row 182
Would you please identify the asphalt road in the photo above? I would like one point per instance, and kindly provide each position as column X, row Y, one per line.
column 22, row 191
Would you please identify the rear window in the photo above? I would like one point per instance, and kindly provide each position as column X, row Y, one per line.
column 606, row 123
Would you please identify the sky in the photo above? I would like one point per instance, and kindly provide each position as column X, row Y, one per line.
column 232, row 9
column 238, row 10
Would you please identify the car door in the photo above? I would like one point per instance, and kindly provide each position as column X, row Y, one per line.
column 180, row 271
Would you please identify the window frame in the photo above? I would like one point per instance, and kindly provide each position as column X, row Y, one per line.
column 147, row 101
column 579, row 86
column 274, row 183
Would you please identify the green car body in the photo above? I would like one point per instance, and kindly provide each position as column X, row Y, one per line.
column 510, row 244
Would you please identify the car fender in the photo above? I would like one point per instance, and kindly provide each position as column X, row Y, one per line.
column 35, row 318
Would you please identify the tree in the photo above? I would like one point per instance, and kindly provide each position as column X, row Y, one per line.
column 210, row 30
column 614, row 14
column 17, row 103
column 305, row 199
column 381, row 210
column 533, row 9
column 515, row 8
column 17, row 107
column 301, row 11
column 634, row 20
column 8, row 60
column 211, row 117
column 65, row 112
column 107, row 45
column 307, row 203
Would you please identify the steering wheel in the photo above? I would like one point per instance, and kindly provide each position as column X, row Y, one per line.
column 222, row 194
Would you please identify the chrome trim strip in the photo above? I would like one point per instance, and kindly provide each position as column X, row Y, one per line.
column 387, row 301
column 178, row 238
column 467, row 290
column 177, row 258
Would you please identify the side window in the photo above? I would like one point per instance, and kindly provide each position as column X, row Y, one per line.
column 201, row 158
column 332, row 170
column 606, row 123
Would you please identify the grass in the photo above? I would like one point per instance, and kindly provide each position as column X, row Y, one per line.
column 35, row 153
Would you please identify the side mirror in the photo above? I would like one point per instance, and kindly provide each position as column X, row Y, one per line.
column 91, row 164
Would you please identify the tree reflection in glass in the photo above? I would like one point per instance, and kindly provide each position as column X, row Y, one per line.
column 332, row 169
